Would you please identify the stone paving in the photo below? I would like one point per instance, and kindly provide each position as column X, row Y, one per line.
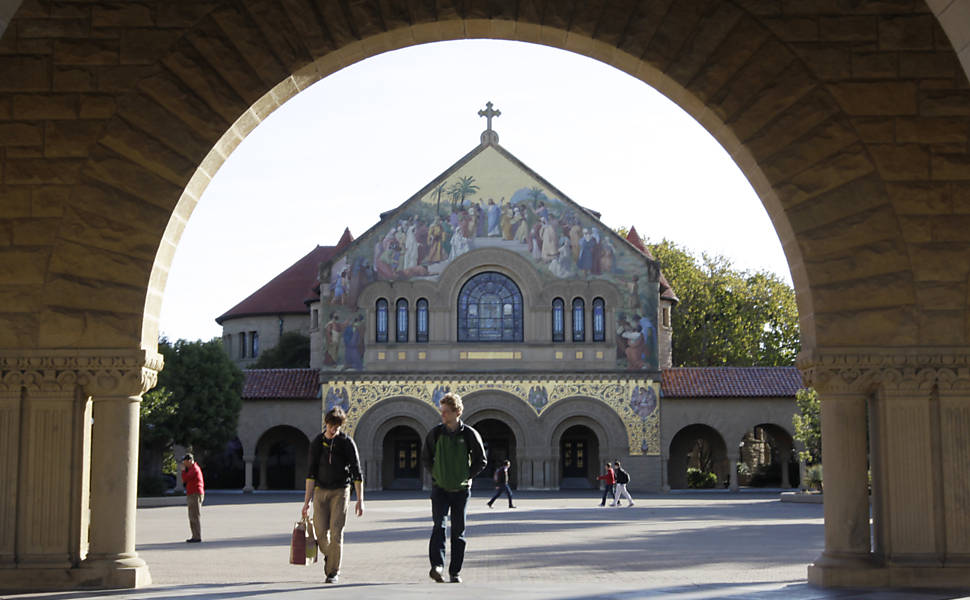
column 554, row 545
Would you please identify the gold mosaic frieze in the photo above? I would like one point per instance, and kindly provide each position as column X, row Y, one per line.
column 635, row 401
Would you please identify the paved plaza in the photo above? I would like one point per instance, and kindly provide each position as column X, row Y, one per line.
column 554, row 545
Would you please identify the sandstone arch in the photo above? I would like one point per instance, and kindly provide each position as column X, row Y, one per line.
column 851, row 124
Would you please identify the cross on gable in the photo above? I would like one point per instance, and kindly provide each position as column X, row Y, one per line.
column 488, row 113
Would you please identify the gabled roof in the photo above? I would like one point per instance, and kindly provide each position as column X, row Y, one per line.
column 730, row 382
column 298, row 384
column 285, row 293
column 666, row 292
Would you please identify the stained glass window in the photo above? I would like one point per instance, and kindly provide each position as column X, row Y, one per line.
column 421, row 327
column 401, row 335
column 558, row 320
column 490, row 309
column 599, row 320
column 381, row 325
column 579, row 320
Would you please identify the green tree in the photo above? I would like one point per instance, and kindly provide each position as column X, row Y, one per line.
column 465, row 186
column 196, row 402
column 291, row 352
column 726, row 316
column 808, row 425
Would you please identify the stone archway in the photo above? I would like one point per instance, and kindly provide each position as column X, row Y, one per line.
column 500, row 445
column 281, row 455
column 579, row 458
column 850, row 124
column 768, row 453
column 697, row 446
column 402, row 468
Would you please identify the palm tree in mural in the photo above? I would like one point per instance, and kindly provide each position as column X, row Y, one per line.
column 438, row 191
column 464, row 187
column 535, row 194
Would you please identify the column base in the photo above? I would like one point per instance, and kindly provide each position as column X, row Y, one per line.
column 248, row 490
column 105, row 575
column 830, row 571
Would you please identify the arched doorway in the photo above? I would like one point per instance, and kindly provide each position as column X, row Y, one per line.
column 578, row 458
column 402, row 459
column 697, row 447
column 281, row 454
column 767, row 454
column 499, row 446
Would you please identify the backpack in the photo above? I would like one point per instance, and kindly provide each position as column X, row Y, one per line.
column 622, row 476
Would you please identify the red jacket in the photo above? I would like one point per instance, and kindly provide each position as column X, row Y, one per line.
column 192, row 478
column 609, row 478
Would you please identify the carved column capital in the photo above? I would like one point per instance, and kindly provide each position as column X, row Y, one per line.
column 99, row 372
column 888, row 370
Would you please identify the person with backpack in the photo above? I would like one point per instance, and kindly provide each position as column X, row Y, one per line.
column 622, row 478
column 502, row 483
column 609, row 480
column 454, row 454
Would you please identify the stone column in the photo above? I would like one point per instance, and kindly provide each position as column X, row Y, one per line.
column 178, row 452
column 10, row 399
column 248, row 460
column 116, row 398
column 785, row 457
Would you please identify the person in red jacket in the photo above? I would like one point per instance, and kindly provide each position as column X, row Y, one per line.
column 610, row 480
column 194, row 495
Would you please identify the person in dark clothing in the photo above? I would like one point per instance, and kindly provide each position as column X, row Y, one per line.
column 502, row 483
column 333, row 464
column 454, row 454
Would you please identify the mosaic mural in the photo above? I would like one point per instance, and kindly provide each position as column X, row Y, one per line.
column 489, row 202
column 635, row 401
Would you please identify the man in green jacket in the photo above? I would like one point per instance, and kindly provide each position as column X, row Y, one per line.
column 454, row 454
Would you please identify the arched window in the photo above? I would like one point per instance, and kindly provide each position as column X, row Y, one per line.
column 599, row 320
column 579, row 320
column 421, row 323
column 401, row 335
column 558, row 320
column 381, row 317
column 490, row 309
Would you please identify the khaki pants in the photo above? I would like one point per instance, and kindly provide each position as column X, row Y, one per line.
column 195, row 510
column 329, row 517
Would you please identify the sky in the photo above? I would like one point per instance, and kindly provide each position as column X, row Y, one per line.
column 365, row 139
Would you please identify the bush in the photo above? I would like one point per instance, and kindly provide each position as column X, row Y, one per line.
column 152, row 485
column 813, row 478
column 698, row 479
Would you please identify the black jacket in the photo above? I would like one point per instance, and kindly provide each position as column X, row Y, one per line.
column 333, row 463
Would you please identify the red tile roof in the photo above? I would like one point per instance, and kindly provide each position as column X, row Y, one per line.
column 666, row 292
column 730, row 382
column 285, row 293
column 301, row 384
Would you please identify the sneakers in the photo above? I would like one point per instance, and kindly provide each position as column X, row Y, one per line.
column 333, row 578
column 456, row 578
column 629, row 505
column 435, row 573
column 512, row 506
column 489, row 504
column 193, row 540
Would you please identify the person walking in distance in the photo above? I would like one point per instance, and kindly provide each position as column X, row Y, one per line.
column 622, row 478
column 333, row 465
column 454, row 454
column 502, row 483
column 194, row 495
column 609, row 481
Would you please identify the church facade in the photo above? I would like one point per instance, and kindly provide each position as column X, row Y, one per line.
column 491, row 283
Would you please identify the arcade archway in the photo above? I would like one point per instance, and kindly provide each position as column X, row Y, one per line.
column 281, row 455
column 697, row 447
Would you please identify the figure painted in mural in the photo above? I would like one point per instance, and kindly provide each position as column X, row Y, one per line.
column 494, row 219
column 550, row 246
column 563, row 265
column 410, row 258
column 502, row 483
column 331, row 339
column 535, row 240
column 609, row 484
column 333, row 464
column 606, row 257
column 459, row 243
column 436, row 237
column 454, row 454
column 354, row 344
column 636, row 349
column 481, row 221
column 649, row 333
column 575, row 235
column 506, row 222
column 520, row 226
column 595, row 234
column 194, row 495
column 585, row 261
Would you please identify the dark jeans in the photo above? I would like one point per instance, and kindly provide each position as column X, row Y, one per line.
column 498, row 492
column 443, row 502
column 608, row 490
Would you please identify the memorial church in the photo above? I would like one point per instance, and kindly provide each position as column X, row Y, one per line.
column 556, row 331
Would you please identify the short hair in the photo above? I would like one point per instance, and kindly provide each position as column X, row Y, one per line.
column 507, row 462
column 335, row 416
column 454, row 401
column 616, row 464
